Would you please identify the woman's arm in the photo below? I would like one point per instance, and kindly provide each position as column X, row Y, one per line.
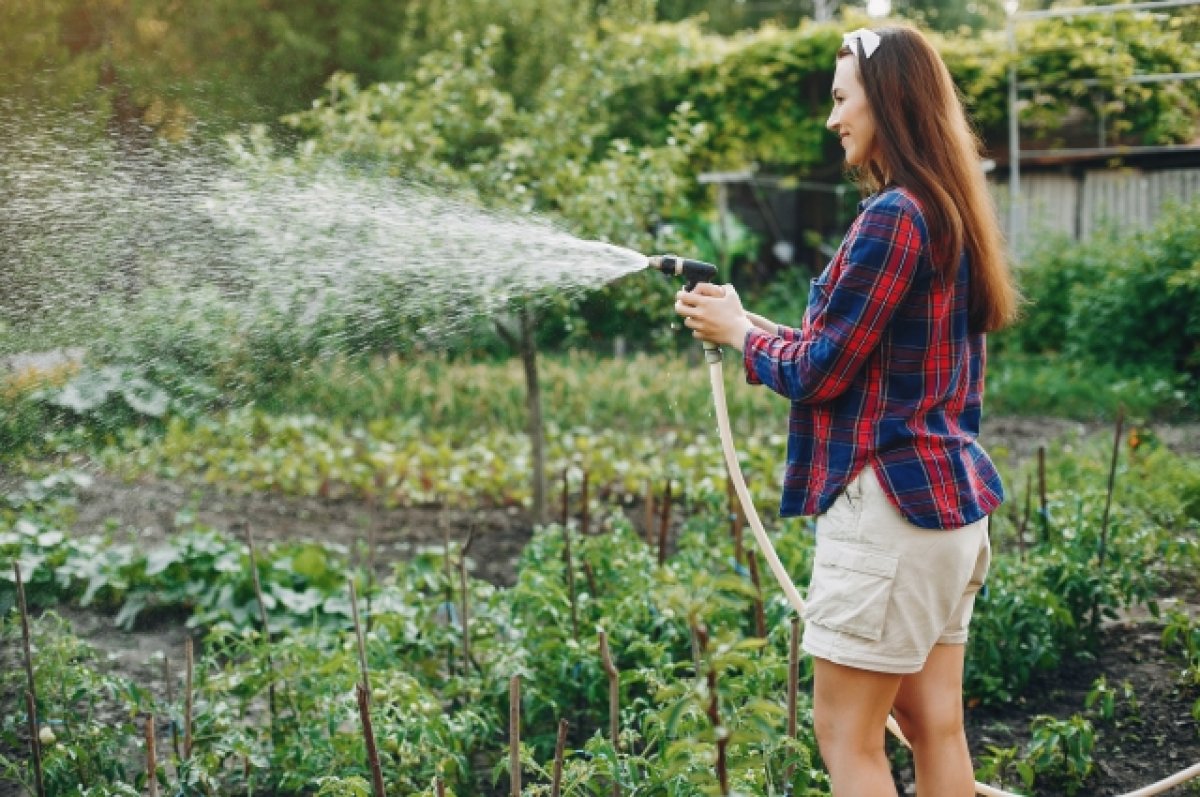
column 878, row 266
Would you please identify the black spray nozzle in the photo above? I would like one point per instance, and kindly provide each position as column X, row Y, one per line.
column 692, row 271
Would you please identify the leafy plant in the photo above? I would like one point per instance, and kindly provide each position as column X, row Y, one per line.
column 1181, row 634
column 1060, row 751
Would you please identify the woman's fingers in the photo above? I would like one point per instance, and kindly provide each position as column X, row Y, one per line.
column 708, row 289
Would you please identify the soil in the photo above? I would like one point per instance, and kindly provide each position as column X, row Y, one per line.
column 1147, row 740
column 1131, row 752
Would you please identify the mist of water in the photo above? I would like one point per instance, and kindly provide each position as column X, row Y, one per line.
column 90, row 235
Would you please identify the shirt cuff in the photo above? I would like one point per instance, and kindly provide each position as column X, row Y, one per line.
column 756, row 339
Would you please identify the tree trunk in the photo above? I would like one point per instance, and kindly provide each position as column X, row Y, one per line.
column 533, row 403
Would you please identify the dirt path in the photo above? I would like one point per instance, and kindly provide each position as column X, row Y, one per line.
column 154, row 509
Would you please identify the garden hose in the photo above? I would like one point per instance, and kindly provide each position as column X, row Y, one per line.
column 712, row 355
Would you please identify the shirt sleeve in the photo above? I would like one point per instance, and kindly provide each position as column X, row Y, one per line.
column 882, row 254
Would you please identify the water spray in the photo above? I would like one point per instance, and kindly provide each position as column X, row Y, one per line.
column 694, row 272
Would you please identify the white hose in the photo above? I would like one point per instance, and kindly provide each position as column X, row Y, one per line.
column 712, row 355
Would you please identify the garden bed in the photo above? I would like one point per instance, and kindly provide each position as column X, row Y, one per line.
column 1149, row 733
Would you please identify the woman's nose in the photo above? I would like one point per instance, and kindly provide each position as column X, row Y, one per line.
column 832, row 122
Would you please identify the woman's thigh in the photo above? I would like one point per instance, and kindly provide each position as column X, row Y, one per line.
column 852, row 704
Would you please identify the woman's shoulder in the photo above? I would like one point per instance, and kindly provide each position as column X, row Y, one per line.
column 894, row 199
column 895, row 206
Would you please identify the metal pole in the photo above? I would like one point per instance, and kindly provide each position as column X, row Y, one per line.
column 1014, row 143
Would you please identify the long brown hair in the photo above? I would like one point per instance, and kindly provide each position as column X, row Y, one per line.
column 925, row 143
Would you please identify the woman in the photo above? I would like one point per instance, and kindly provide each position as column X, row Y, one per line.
column 886, row 380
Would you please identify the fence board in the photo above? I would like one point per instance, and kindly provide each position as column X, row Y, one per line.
column 1080, row 205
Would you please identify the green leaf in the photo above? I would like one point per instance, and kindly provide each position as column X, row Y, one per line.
column 311, row 562
column 160, row 559
column 145, row 398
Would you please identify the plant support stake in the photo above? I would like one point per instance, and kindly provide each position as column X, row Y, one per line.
column 364, row 712
column 171, row 702
column 793, row 688
column 1043, row 512
column 468, row 659
column 514, row 735
column 664, row 524
column 569, row 565
column 360, row 639
column 760, row 615
column 262, row 616
column 35, row 743
column 559, row 745
column 151, row 757
column 714, row 712
column 187, row 698
column 614, row 702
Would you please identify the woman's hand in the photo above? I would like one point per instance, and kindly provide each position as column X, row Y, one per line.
column 714, row 313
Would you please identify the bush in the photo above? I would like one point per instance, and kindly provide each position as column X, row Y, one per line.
column 1145, row 306
column 1118, row 300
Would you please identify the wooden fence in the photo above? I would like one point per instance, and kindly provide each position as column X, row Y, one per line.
column 1078, row 205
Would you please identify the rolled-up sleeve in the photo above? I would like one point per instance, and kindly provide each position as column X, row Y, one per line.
column 880, row 262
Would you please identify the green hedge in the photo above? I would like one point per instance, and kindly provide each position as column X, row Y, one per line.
column 1130, row 302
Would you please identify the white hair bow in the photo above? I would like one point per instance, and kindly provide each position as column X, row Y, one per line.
column 869, row 39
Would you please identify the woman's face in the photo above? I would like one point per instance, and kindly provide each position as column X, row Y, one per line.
column 851, row 118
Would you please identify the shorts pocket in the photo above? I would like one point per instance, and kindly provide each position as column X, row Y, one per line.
column 850, row 588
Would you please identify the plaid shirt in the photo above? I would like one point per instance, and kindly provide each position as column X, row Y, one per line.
column 883, row 372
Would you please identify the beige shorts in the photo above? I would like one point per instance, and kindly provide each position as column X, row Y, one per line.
column 883, row 591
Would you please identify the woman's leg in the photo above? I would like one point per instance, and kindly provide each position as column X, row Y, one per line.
column 929, row 710
column 850, row 709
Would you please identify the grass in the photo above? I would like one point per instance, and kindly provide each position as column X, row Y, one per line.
column 649, row 392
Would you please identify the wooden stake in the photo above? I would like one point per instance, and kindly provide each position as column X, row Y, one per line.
column 569, row 566
column 364, row 712
column 591, row 579
column 151, row 757
column 649, row 520
column 466, row 599
column 1043, row 517
column 565, row 515
column 370, row 573
column 760, row 615
column 584, row 516
column 262, row 616
column 187, row 698
column 664, row 524
column 793, row 688
column 171, row 702
column 1024, row 528
column 736, row 523
column 361, row 640
column 439, row 787
column 614, row 702
column 559, row 746
column 35, row 742
column 614, row 691
column 714, row 715
column 449, row 567
column 514, row 735
column 1112, row 482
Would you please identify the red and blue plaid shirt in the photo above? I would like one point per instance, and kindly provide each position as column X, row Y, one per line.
column 884, row 371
